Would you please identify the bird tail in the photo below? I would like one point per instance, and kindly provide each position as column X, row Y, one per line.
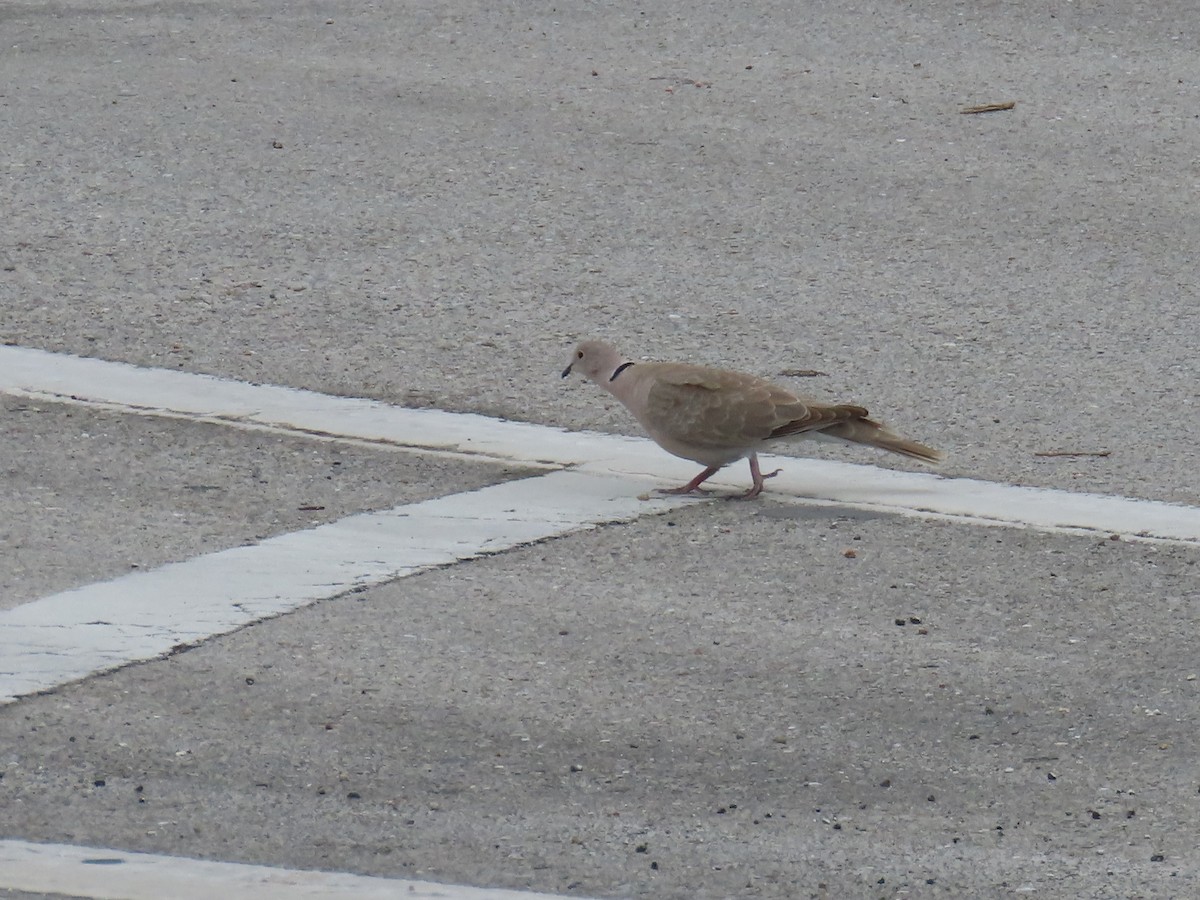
column 873, row 434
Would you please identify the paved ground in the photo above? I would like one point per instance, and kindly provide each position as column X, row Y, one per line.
column 94, row 494
column 563, row 718
column 459, row 191
column 427, row 204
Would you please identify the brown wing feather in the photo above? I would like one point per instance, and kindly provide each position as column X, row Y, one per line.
column 717, row 408
column 715, row 416
column 818, row 417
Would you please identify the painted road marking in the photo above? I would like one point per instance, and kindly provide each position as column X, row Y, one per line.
column 52, row 376
column 143, row 615
column 73, row 634
column 119, row 875
column 596, row 479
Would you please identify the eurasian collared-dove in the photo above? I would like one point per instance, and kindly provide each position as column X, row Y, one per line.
column 715, row 417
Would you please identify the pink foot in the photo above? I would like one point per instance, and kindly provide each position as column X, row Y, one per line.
column 758, row 476
column 693, row 486
column 686, row 489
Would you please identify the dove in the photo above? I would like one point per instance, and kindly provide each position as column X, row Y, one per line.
column 715, row 417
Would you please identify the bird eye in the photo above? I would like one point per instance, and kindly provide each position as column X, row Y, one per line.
column 579, row 354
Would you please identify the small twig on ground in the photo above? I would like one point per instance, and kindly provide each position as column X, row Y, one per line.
column 802, row 373
column 1074, row 453
column 988, row 107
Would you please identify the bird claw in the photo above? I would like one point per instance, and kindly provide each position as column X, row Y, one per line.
column 759, row 478
column 748, row 495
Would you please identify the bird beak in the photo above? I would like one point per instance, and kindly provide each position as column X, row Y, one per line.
column 567, row 370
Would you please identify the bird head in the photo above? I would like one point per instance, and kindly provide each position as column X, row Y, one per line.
column 594, row 360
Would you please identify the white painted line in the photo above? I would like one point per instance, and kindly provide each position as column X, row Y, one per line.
column 36, row 373
column 100, row 874
column 77, row 633
column 71, row 635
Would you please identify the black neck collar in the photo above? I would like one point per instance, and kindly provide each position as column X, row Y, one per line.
column 619, row 369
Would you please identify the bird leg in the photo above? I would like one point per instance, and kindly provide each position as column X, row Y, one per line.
column 758, row 476
column 693, row 486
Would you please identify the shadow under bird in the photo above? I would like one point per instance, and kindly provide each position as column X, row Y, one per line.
column 715, row 417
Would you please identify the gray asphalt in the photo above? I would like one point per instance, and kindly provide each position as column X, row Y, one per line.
column 983, row 709
column 91, row 495
column 460, row 191
column 428, row 204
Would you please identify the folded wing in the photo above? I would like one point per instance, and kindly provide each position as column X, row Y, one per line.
column 715, row 408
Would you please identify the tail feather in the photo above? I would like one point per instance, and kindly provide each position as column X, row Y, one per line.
column 873, row 434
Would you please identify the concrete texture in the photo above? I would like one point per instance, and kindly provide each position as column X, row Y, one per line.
column 429, row 203
column 949, row 711
column 91, row 495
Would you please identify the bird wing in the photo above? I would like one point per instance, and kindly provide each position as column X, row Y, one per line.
column 720, row 410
